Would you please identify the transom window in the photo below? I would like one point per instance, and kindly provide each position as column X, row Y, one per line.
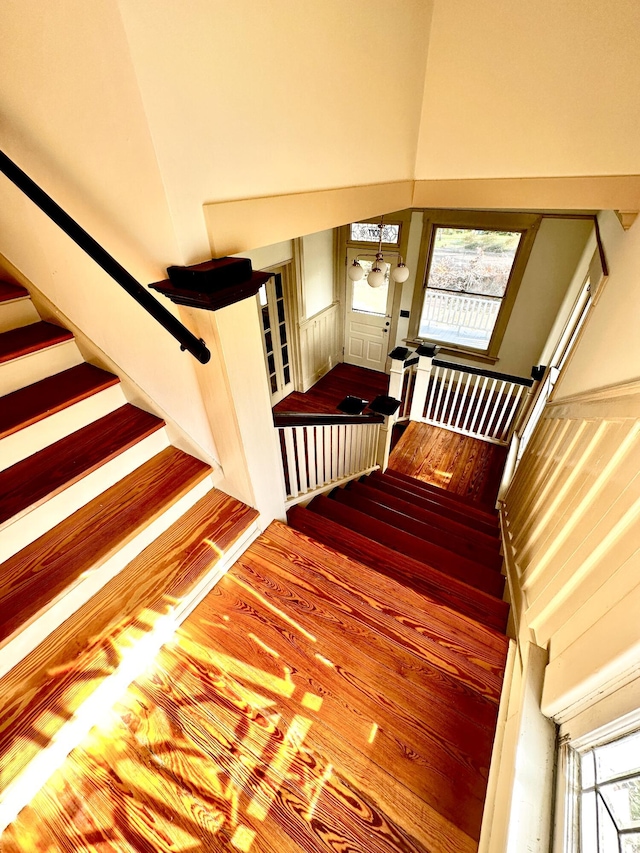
column 472, row 264
column 369, row 232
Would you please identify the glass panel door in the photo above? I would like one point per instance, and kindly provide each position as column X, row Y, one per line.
column 275, row 337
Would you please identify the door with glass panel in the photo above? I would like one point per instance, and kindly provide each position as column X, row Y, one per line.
column 275, row 337
column 368, row 317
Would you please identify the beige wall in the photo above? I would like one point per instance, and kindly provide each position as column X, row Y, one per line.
column 531, row 89
column 250, row 99
column 609, row 351
column 318, row 271
column 73, row 119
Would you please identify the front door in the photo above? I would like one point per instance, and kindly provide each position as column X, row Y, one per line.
column 368, row 316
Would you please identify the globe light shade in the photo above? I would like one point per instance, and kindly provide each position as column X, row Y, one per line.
column 400, row 273
column 375, row 278
column 355, row 271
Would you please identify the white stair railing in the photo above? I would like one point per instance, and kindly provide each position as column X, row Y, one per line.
column 323, row 451
column 467, row 400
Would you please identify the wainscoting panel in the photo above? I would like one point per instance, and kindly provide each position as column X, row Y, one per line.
column 572, row 524
column 320, row 344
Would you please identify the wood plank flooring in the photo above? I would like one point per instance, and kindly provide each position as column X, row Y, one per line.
column 303, row 706
column 457, row 463
column 342, row 380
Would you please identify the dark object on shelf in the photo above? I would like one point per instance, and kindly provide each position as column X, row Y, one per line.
column 213, row 284
column 383, row 405
column 211, row 275
column 352, row 405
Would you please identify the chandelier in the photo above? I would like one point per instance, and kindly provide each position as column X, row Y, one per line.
column 378, row 272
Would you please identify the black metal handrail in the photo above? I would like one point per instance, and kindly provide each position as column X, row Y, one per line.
column 118, row 273
column 289, row 419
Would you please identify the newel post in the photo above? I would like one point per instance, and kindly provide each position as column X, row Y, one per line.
column 398, row 357
column 426, row 353
column 387, row 406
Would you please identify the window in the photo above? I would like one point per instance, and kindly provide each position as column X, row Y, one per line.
column 369, row 232
column 472, row 266
column 609, row 796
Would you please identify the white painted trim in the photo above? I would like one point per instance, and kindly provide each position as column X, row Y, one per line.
column 31, row 368
column 328, row 487
column 16, row 313
column 18, row 532
column 492, row 799
column 85, row 587
column 29, row 440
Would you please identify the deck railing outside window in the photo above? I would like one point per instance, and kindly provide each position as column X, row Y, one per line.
column 459, row 318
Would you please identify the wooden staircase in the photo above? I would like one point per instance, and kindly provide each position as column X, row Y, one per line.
column 109, row 536
column 437, row 543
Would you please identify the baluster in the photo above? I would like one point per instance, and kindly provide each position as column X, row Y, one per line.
column 496, row 406
column 289, row 444
column 463, row 400
column 444, row 417
column 334, row 452
column 478, row 405
column 302, row 457
column 442, row 379
column 311, row 456
column 425, row 360
column 486, row 408
column 320, row 455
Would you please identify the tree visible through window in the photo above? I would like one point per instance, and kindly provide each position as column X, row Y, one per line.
column 467, row 278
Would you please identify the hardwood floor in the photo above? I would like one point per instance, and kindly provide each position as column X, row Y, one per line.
column 342, row 380
column 307, row 704
column 462, row 465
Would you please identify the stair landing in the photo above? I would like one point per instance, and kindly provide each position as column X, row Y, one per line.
column 303, row 706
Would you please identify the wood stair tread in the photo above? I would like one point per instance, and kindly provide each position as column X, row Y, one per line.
column 432, row 503
column 454, row 537
column 358, row 514
column 477, row 605
column 35, row 402
column 478, row 664
column 42, row 571
column 49, row 471
column 9, row 291
column 29, row 339
column 45, row 689
column 422, row 486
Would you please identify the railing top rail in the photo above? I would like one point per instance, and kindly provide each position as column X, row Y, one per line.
column 479, row 371
column 289, row 419
column 108, row 263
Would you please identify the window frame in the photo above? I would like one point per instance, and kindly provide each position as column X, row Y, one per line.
column 526, row 223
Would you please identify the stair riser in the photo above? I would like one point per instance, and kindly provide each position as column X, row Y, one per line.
column 31, row 368
column 17, row 313
column 21, row 530
column 19, row 646
column 14, row 448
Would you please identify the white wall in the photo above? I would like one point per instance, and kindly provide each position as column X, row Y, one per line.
column 269, row 256
column 531, row 89
column 72, row 118
column 318, row 267
column 609, row 351
column 252, row 99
